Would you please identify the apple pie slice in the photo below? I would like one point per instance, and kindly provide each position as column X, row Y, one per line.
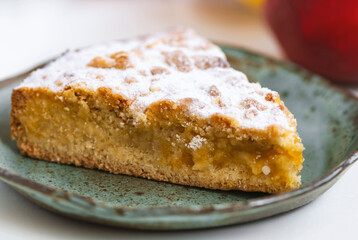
column 166, row 107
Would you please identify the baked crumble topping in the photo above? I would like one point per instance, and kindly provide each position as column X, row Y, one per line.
column 176, row 66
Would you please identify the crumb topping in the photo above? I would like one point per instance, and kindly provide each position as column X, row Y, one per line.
column 174, row 65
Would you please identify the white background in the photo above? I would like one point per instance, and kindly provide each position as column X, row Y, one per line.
column 34, row 31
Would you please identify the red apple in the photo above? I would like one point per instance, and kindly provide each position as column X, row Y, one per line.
column 320, row 35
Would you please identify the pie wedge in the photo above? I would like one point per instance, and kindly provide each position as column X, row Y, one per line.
column 166, row 107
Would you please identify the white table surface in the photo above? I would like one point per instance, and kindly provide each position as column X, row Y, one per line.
column 34, row 31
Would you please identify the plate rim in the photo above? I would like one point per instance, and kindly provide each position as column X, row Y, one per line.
column 210, row 208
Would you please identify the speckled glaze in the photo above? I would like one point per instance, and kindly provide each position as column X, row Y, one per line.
column 327, row 122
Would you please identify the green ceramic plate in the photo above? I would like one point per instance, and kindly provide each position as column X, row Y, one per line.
column 327, row 122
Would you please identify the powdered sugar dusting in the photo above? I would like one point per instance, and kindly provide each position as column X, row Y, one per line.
column 173, row 65
column 196, row 142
